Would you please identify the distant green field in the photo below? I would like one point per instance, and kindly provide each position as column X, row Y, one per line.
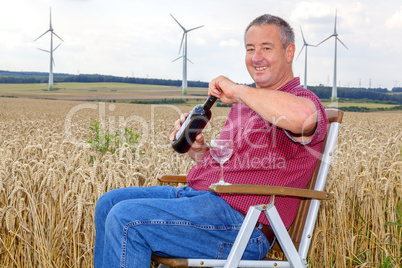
column 98, row 91
column 81, row 86
column 368, row 105
column 125, row 92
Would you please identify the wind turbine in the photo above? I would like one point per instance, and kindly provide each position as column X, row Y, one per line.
column 305, row 57
column 51, row 50
column 184, row 56
column 335, row 34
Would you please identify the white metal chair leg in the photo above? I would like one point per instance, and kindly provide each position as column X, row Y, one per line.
column 243, row 237
column 282, row 236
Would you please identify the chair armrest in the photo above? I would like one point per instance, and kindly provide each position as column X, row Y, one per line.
column 173, row 178
column 173, row 262
column 269, row 190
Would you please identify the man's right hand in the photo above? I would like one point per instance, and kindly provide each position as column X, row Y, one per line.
column 199, row 148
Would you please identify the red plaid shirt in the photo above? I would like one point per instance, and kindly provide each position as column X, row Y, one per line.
column 264, row 154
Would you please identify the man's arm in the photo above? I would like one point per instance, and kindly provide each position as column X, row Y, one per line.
column 295, row 114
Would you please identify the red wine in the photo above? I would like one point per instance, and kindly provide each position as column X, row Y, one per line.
column 195, row 122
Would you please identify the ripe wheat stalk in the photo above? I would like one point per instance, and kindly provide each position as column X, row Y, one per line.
column 49, row 188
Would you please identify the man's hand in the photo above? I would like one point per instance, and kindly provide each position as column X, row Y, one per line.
column 226, row 90
column 198, row 148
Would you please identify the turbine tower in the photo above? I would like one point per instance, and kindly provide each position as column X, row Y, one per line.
column 335, row 34
column 305, row 57
column 184, row 54
column 51, row 50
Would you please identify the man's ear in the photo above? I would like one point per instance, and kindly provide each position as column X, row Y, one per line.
column 290, row 52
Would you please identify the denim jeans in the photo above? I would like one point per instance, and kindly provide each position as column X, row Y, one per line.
column 133, row 223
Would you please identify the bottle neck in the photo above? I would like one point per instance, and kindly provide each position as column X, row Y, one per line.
column 209, row 102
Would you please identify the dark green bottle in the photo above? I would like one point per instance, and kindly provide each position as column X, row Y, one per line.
column 195, row 122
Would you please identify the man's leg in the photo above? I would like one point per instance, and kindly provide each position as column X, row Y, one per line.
column 111, row 198
column 197, row 225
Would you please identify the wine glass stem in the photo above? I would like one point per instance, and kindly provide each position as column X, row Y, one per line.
column 221, row 179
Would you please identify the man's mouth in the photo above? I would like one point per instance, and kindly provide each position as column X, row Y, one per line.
column 261, row 68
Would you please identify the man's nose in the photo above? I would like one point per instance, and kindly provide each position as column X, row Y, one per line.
column 257, row 57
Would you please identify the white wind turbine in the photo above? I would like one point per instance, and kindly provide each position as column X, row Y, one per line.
column 305, row 44
column 51, row 50
column 184, row 56
column 335, row 34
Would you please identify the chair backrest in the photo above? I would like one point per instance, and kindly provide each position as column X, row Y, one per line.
column 304, row 223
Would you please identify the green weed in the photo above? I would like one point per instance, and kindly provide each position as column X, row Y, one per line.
column 103, row 141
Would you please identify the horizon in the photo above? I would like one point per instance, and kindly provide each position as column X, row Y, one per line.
column 45, row 74
column 137, row 39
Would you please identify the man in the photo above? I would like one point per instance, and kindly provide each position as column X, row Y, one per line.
column 276, row 128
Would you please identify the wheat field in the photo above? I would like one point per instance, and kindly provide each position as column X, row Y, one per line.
column 49, row 186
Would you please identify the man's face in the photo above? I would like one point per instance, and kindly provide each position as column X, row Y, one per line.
column 268, row 64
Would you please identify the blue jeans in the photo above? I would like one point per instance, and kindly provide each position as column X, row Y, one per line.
column 133, row 223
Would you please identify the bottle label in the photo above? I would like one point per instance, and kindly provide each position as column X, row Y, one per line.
column 183, row 127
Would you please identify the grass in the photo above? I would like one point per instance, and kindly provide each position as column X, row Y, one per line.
column 124, row 92
column 117, row 92
column 361, row 104
column 74, row 87
column 77, row 86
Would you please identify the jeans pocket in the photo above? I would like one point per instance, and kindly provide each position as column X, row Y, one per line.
column 255, row 249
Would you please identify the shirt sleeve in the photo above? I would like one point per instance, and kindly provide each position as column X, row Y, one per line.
column 322, row 119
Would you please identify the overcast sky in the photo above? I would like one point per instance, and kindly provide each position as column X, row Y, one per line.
column 140, row 38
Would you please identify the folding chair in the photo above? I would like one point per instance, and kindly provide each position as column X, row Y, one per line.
column 293, row 243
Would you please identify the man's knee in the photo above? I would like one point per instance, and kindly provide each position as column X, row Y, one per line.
column 125, row 212
column 104, row 204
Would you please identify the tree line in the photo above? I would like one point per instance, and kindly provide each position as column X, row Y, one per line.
column 323, row 92
column 37, row 77
column 371, row 95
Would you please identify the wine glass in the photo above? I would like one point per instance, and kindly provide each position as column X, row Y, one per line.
column 221, row 151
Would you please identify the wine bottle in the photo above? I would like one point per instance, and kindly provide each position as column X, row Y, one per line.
column 195, row 122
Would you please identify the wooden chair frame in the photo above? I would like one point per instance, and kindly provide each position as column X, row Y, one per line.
column 293, row 243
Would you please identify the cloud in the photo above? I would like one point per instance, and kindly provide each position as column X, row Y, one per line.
column 307, row 11
column 229, row 43
column 395, row 21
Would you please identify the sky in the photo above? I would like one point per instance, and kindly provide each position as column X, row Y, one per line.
column 133, row 38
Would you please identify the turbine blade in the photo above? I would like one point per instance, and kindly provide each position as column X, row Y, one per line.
column 336, row 15
column 300, row 51
column 324, row 40
column 182, row 39
column 184, row 29
column 42, row 35
column 304, row 40
column 190, row 61
column 54, row 64
column 58, row 36
column 57, row 47
column 342, row 42
column 44, row 50
column 50, row 18
column 195, row 28
column 177, row 58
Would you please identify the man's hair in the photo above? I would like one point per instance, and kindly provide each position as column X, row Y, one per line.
column 287, row 35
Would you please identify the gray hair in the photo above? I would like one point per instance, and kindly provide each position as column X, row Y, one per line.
column 287, row 35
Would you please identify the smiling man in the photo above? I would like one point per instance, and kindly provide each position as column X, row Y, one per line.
column 270, row 49
column 276, row 128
